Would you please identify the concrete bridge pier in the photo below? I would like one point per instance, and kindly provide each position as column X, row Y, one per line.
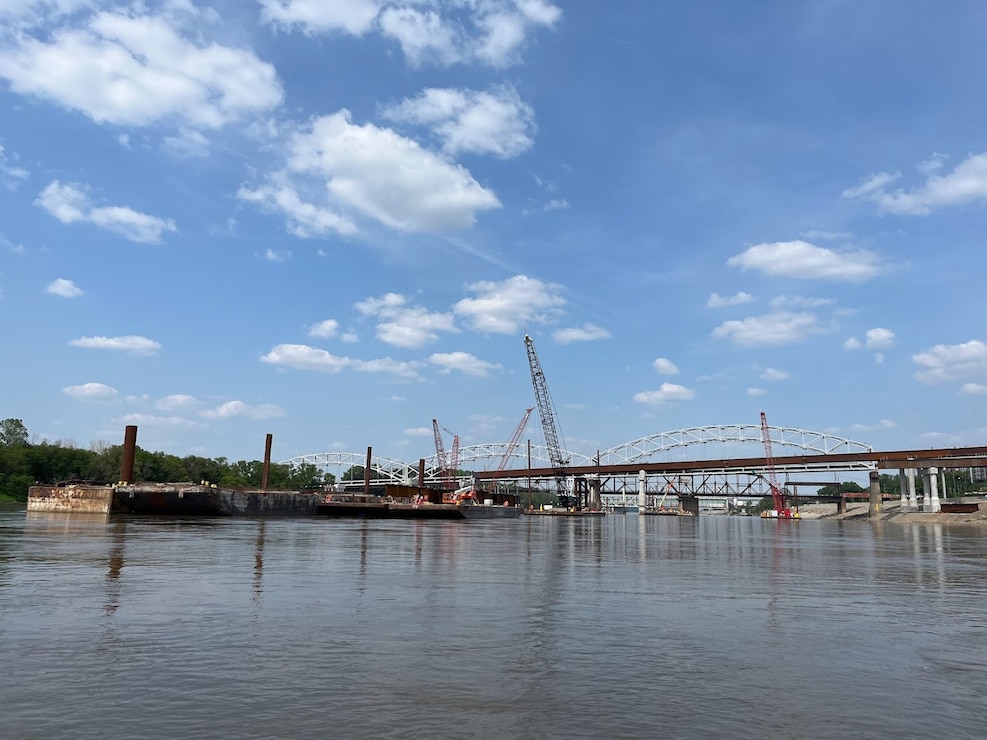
column 689, row 504
column 874, row 500
column 912, row 496
column 642, row 497
column 595, row 495
column 931, row 503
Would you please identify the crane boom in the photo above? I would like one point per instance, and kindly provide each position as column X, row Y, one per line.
column 514, row 440
column 781, row 509
column 440, row 457
column 546, row 412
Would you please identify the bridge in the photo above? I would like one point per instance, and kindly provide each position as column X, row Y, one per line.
column 712, row 461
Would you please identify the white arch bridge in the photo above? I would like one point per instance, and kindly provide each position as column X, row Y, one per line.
column 708, row 451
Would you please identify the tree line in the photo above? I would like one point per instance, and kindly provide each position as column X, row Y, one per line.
column 24, row 463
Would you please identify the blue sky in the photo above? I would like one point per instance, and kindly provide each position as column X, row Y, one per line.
column 335, row 221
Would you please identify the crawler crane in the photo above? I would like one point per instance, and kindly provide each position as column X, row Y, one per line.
column 781, row 509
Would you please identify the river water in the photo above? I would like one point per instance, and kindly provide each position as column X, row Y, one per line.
column 622, row 626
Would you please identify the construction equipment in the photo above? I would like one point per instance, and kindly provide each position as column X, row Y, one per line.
column 445, row 466
column 514, row 439
column 781, row 509
column 546, row 411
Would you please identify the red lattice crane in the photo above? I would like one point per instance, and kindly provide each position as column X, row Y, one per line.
column 514, row 440
column 781, row 509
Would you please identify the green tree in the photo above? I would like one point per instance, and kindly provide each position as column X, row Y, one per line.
column 13, row 433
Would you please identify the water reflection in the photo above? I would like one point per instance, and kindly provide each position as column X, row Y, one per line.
column 118, row 532
column 259, row 561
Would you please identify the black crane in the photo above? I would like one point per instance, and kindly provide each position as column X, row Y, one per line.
column 546, row 411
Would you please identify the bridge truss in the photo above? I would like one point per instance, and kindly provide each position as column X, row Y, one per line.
column 717, row 443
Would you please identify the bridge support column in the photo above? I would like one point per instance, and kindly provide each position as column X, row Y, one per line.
column 595, row 498
column 903, row 489
column 875, row 494
column 932, row 491
column 642, row 497
column 841, row 506
column 912, row 496
column 689, row 504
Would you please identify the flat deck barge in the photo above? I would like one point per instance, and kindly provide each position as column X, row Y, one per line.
column 395, row 510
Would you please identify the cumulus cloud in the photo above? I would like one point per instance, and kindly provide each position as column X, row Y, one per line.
column 91, row 392
column 135, row 345
column 504, row 307
column 153, row 420
column 239, row 409
column 176, row 402
column 135, row 70
column 495, row 121
column 778, row 328
column 973, row 389
column 965, row 184
column 303, row 357
column 584, row 333
column 664, row 366
column 756, row 391
column 946, row 363
column 403, row 325
column 715, row 300
column 492, row 32
column 667, row 393
column 370, row 171
column 773, row 376
column 418, row 432
column 875, row 339
column 802, row 260
column 70, row 203
column 462, row 362
column 63, row 288
column 277, row 255
column 324, row 329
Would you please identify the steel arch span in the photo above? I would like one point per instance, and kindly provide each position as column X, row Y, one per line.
column 389, row 470
column 728, row 435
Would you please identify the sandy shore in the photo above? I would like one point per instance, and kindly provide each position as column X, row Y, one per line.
column 891, row 512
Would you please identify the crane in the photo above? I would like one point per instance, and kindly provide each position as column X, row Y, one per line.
column 514, row 439
column 445, row 473
column 546, row 411
column 780, row 510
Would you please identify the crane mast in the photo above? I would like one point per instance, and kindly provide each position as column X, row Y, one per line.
column 546, row 412
column 440, row 457
column 781, row 510
column 514, row 439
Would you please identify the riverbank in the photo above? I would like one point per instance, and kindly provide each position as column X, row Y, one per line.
column 891, row 511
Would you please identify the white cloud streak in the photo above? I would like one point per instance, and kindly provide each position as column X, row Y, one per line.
column 778, row 328
column 584, row 333
column 666, row 394
column 63, row 288
column 802, row 260
column 504, row 307
column 134, row 345
column 70, row 203
column 91, row 392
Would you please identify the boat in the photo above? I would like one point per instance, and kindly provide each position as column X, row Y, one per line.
column 409, row 502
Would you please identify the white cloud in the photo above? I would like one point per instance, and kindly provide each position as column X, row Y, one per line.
column 64, row 288
column 664, row 366
column 802, row 260
column 879, row 338
column 756, row 392
column 667, row 393
column 237, row 409
column 973, row 389
column 951, row 362
column 584, row 333
column 491, row 31
column 134, row 70
column 504, row 307
column 803, row 302
column 715, row 300
column 91, row 392
column 778, row 328
column 934, row 163
column 406, row 326
column 187, row 144
column 371, row 171
column 882, row 424
column 10, row 174
column 874, row 340
column 462, row 362
column 495, row 121
column 152, row 420
column 967, row 183
column 556, row 204
column 825, row 235
column 175, row 402
column 303, row 357
column 418, row 432
column 773, row 376
column 352, row 16
column 324, row 329
column 70, row 204
column 135, row 345
column 277, row 255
